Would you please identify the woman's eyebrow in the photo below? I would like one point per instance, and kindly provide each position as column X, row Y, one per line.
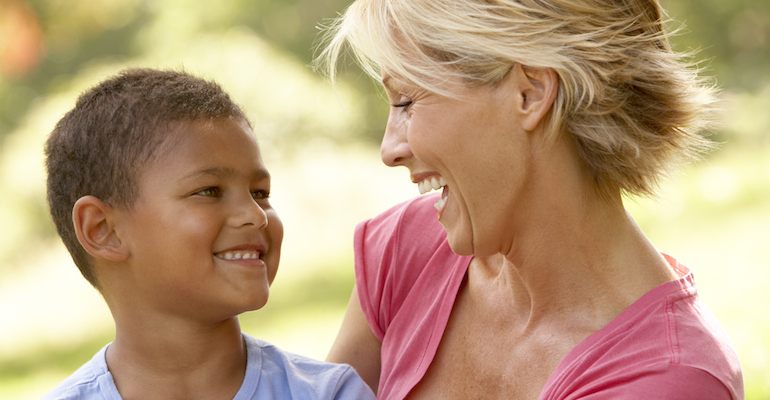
column 388, row 82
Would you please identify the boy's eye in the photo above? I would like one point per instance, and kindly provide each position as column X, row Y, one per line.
column 260, row 194
column 210, row 192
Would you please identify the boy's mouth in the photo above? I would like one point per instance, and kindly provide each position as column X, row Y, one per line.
column 239, row 255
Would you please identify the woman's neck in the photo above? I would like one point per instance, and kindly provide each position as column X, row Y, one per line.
column 572, row 252
column 580, row 257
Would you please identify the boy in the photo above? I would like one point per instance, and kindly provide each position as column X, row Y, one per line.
column 157, row 188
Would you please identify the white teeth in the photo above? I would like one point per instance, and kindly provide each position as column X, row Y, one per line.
column 440, row 204
column 424, row 187
column 432, row 183
column 239, row 255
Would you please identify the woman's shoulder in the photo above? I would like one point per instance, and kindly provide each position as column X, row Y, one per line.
column 668, row 341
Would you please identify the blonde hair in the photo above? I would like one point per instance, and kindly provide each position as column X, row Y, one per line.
column 632, row 106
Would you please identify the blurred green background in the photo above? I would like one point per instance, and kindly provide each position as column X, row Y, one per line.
column 321, row 145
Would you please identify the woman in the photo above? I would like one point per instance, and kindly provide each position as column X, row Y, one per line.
column 533, row 118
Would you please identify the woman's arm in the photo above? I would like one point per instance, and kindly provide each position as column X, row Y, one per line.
column 356, row 344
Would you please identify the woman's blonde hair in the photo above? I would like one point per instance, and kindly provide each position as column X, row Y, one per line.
column 631, row 105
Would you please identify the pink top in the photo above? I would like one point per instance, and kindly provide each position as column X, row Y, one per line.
column 667, row 345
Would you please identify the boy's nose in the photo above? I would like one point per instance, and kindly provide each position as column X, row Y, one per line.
column 394, row 148
column 249, row 213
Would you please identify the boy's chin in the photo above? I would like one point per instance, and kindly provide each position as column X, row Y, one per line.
column 258, row 303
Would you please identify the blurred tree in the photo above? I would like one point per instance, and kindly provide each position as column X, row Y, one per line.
column 21, row 39
column 84, row 41
column 45, row 42
column 733, row 34
column 74, row 34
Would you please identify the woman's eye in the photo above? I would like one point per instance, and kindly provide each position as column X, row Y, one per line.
column 260, row 194
column 210, row 192
column 402, row 101
column 404, row 105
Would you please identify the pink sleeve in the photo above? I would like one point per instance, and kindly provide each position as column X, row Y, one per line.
column 391, row 251
column 370, row 275
column 677, row 382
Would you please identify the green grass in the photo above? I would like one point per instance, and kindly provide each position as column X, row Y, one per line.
column 31, row 375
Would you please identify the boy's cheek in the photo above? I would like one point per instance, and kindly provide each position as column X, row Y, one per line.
column 275, row 229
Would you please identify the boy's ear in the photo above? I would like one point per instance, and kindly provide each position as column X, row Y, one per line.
column 95, row 228
column 535, row 90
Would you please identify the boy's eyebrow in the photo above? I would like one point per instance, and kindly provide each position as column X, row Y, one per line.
column 258, row 174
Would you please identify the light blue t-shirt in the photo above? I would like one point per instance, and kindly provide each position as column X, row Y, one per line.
column 271, row 373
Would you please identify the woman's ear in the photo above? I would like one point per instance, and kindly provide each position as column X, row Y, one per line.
column 95, row 228
column 535, row 90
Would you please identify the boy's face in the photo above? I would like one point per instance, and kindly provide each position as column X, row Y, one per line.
column 203, row 239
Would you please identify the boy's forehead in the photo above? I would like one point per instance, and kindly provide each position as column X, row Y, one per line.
column 176, row 133
column 210, row 125
column 208, row 142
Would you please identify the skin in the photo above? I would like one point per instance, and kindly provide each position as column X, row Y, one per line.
column 174, row 299
column 553, row 261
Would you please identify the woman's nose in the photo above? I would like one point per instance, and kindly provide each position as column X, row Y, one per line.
column 395, row 149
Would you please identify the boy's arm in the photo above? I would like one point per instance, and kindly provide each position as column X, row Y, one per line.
column 356, row 345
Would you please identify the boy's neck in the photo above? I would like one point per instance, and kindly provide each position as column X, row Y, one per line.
column 178, row 359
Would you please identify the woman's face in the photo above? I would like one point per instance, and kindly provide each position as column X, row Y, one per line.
column 470, row 144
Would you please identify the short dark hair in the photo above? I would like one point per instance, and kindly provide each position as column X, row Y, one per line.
column 99, row 147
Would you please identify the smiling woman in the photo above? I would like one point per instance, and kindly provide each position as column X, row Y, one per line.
column 534, row 118
column 437, row 128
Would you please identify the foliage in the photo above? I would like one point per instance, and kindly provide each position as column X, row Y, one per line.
column 733, row 34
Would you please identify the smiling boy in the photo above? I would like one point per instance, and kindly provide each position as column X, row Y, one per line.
column 157, row 188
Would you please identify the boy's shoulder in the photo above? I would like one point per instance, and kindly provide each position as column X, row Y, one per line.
column 92, row 380
column 280, row 374
column 270, row 373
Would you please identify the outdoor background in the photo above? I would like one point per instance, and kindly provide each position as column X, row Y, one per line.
column 321, row 146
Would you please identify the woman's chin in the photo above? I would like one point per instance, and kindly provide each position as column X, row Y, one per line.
column 462, row 245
